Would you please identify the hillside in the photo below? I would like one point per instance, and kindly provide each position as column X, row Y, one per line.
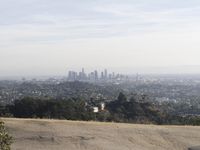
column 30, row 134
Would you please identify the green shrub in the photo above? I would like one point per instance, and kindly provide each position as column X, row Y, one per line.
column 5, row 138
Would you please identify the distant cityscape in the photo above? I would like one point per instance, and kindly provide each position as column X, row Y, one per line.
column 95, row 76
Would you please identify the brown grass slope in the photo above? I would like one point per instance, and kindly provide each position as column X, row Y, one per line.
column 31, row 134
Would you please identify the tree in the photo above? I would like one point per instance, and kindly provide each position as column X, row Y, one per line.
column 5, row 138
column 122, row 97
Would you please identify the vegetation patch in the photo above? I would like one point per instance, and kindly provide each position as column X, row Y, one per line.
column 5, row 138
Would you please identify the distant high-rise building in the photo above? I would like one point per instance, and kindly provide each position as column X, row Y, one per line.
column 69, row 75
column 102, row 75
column 83, row 71
column 110, row 76
column 105, row 73
column 72, row 75
column 82, row 75
column 93, row 75
column 96, row 75
column 113, row 75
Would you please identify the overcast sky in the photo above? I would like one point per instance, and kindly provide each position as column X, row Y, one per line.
column 48, row 37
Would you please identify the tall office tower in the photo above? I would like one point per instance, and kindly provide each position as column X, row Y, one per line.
column 102, row 75
column 83, row 71
column 92, row 76
column 113, row 75
column 74, row 76
column 110, row 76
column 106, row 73
column 96, row 75
column 69, row 75
column 80, row 76
column 83, row 74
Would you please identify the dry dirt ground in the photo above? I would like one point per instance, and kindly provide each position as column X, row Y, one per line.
column 30, row 134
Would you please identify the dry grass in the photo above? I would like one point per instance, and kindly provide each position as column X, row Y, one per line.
column 30, row 134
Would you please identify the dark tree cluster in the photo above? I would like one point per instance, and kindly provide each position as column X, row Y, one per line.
column 124, row 110
column 58, row 109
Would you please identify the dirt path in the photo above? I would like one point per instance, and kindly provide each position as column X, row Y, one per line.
column 68, row 135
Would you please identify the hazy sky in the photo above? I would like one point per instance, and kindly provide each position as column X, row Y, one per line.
column 47, row 37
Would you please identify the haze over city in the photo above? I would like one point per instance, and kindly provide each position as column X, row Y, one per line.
column 131, row 36
column 99, row 74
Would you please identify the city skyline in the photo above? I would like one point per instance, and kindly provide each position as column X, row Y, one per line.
column 94, row 75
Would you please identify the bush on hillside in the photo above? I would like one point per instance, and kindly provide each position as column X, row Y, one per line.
column 5, row 138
